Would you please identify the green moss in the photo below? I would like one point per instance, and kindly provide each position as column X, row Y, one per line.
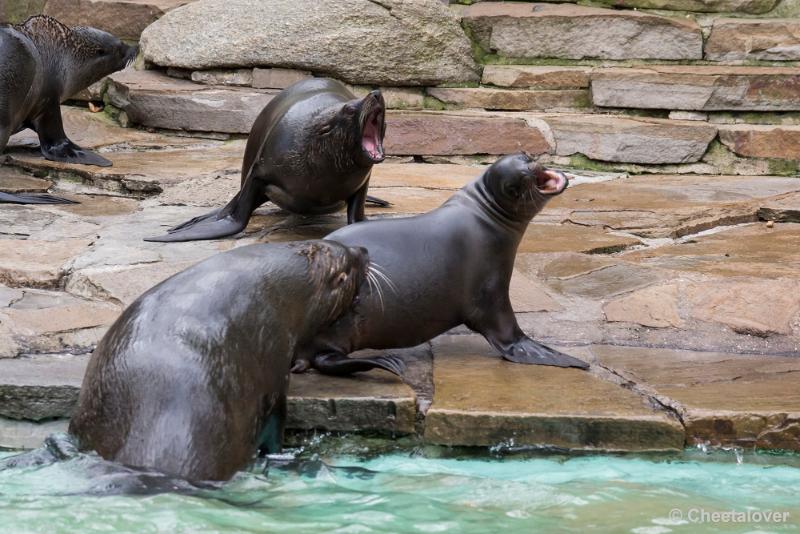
column 17, row 11
column 579, row 161
column 430, row 102
column 784, row 167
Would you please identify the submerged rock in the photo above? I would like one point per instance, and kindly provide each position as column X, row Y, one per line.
column 404, row 42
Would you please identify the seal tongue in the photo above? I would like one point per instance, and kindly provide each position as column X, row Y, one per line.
column 371, row 141
column 550, row 182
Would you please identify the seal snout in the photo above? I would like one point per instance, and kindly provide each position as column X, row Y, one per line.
column 373, row 126
column 549, row 181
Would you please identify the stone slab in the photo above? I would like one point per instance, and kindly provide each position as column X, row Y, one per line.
column 754, row 39
column 781, row 209
column 669, row 205
column 481, row 400
column 525, row 30
column 17, row 435
column 376, row 402
column 36, row 263
column 703, row 6
column 536, row 77
column 506, row 100
column 700, row 88
column 544, row 238
column 156, row 100
column 43, row 387
column 748, row 250
column 452, row 133
column 762, row 141
column 277, row 78
column 725, row 399
column 630, row 140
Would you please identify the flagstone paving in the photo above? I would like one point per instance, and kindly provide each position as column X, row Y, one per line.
column 682, row 292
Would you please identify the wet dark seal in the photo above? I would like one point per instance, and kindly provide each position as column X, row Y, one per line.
column 42, row 63
column 310, row 151
column 191, row 379
column 445, row 268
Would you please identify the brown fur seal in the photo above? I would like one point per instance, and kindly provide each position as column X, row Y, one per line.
column 445, row 268
column 191, row 379
column 310, row 151
column 42, row 63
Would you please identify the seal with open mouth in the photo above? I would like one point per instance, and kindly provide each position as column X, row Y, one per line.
column 192, row 378
column 310, row 151
column 42, row 63
column 444, row 268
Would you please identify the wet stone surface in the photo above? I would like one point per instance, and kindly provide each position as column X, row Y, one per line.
column 681, row 291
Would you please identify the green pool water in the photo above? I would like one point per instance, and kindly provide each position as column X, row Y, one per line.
column 424, row 491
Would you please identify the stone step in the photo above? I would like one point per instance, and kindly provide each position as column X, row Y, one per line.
column 702, row 6
column 762, row 141
column 742, row 400
column 701, row 88
column 754, row 39
column 567, row 31
column 47, row 387
column 511, row 100
column 481, row 400
column 125, row 19
column 536, row 77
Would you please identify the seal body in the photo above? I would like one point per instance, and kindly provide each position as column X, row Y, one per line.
column 42, row 63
column 191, row 379
column 445, row 268
column 310, row 151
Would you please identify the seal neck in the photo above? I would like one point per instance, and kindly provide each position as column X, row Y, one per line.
column 479, row 196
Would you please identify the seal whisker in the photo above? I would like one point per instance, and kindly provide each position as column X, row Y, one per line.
column 377, row 270
column 377, row 286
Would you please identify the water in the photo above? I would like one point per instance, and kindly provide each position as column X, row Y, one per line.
column 425, row 492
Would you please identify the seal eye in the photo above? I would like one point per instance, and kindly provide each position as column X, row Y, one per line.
column 512, row 190
column 99, row 52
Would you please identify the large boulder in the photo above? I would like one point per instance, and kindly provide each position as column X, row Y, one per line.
column 393, row 42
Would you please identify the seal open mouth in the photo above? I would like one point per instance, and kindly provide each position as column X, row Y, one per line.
column 550, row 182
column 372, row 131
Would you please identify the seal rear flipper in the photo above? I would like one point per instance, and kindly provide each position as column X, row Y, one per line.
column 222, row 222
column 527, row 351
column 68, row 152
column 379, row 202
column 41, row 198
column 338, row 364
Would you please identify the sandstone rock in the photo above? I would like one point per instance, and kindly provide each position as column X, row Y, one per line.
column 781, row 209
column 124, row 18
column 376, row 402
column 410, row 42
column 703, row 6
column 749, row 39
column 530, row 296
column 608, row 281
column 761, row 307
column 14, row 181
column 750, row 250
column 35, row 263
column 152, row 99
column 725, row 399
column 453, row 133
column 655, row 306
column 705, row 88
column 395, row 97
column 688, row 116
column 542, row 238
column 533, row 77
column 278, row 78
column 481, row 400
column 517, row 100
column 223, row 77
column 630, row 140
column 526, row 30
column 762, row 141
column 40, row 388
column 440, row 176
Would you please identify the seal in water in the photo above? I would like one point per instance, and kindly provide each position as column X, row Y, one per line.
column 43, row 63
column 448, row 267
column 310, row 151
column 191, row 379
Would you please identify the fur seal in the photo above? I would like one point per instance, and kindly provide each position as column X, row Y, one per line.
column 445, row 268
column 310, row 151
column 44, row 62
column 191, row 379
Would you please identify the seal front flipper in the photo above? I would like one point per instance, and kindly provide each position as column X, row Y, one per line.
column 337, row 364
column 379, row 202
column 527, row 351
column 54, row 144
column 42, row 198
column 229, row 220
